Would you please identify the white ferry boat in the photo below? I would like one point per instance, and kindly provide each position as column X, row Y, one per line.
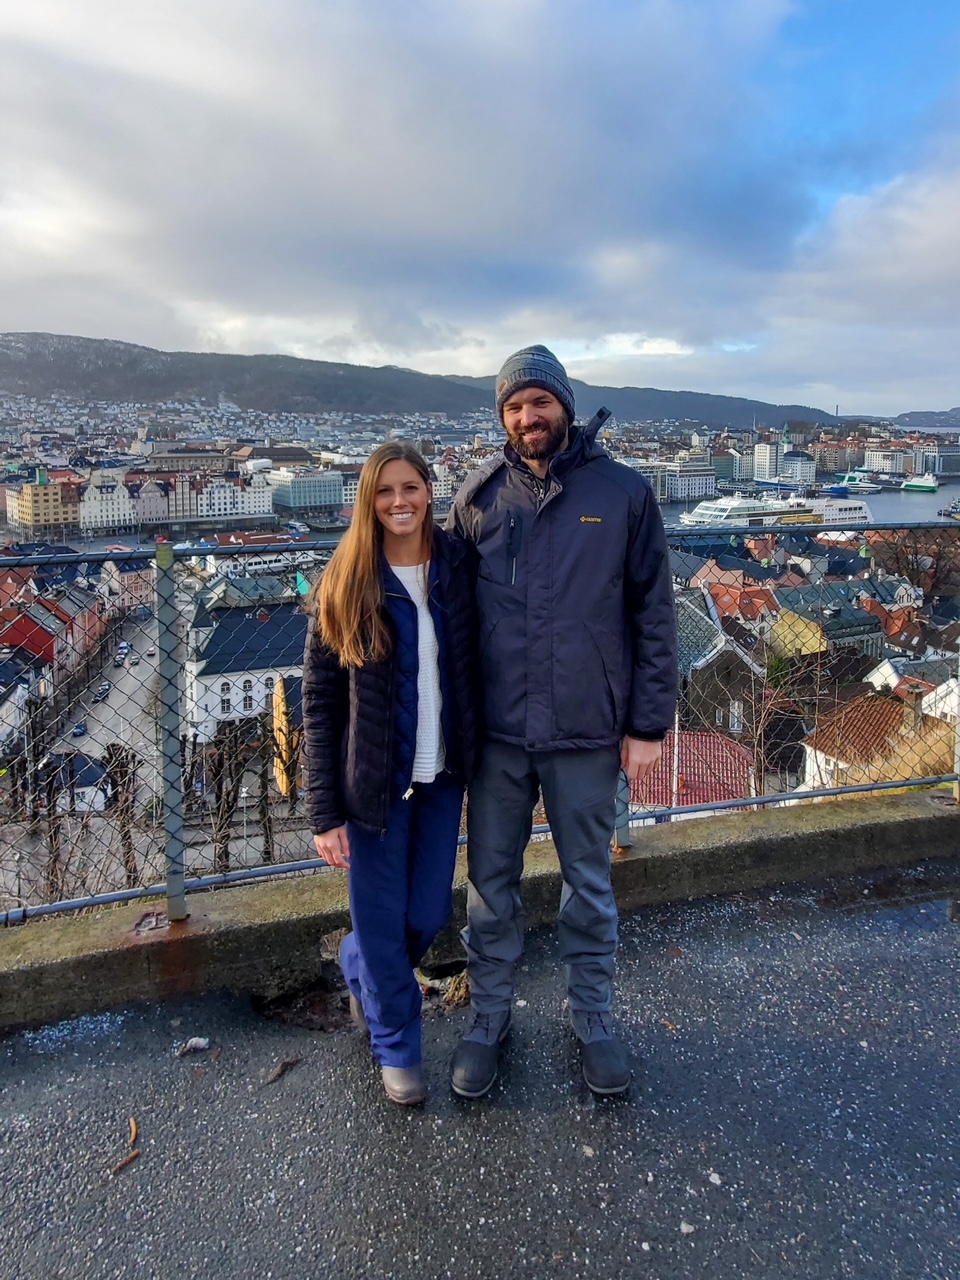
column 784, row 484
column 747, row 512
column 852, row 482
column 926, row 483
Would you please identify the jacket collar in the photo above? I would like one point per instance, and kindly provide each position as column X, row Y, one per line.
column 579, row 449
column 445, row 551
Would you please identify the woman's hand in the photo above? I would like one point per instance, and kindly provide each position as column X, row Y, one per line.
column 334, row 847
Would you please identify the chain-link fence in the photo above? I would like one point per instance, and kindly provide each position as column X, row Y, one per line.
column 150, row 710
column 811, row 660
column 150, row 720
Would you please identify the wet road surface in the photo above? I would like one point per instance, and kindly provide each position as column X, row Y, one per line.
column 793, row 1114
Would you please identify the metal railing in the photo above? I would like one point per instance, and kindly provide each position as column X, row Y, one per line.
column 150, row 700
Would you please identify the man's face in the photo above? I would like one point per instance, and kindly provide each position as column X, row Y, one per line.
column 535, row 422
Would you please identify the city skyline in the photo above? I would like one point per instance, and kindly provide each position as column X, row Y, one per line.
column 752, row 199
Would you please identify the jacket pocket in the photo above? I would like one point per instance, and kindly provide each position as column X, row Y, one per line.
column 499, row 550
column 589, row 694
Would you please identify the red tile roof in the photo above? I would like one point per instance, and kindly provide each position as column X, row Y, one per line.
column 747, row 603
column 710, row 766
column 860, row 730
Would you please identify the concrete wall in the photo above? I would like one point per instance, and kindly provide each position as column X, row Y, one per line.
column 265, row 939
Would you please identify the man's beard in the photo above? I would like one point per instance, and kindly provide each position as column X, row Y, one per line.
column 555, row 434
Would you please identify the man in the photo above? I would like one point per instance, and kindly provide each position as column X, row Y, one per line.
column 579, row 664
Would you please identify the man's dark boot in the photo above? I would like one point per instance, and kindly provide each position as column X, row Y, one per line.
column 602, row 1056
column 473, row 1068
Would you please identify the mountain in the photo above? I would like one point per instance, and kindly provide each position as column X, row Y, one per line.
column 647, row 404
column 925, row 419
column 41, row 364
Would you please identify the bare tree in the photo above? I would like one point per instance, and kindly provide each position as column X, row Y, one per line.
column 265, row 754
column 191, row 768
column 928, row 558
column 55, row 861
column 121, row 765
column 225, row 767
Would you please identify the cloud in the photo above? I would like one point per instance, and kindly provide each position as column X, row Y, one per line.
column 435, row 183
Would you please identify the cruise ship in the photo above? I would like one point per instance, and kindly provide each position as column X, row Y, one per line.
column 746, row 512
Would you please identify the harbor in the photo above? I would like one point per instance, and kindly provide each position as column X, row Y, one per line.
column 886, row 507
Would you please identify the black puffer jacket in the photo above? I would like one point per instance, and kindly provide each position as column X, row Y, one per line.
column 356, row 762
column 578, row 631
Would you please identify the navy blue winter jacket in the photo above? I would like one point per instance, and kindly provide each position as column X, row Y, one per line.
column 578, row 634
column 360, row 723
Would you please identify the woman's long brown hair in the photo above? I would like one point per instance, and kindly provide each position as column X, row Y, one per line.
column 349, row 596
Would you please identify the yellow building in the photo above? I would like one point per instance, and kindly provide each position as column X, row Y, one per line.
column 793, row 634
column 804, row 626
column 43, row 509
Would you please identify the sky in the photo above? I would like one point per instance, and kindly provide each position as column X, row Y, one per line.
column 745, row 197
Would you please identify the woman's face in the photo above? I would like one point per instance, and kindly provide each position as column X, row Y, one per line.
column 401, row 502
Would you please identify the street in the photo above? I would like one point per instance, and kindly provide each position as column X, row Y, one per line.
column 125, row 716
column 793, row 1114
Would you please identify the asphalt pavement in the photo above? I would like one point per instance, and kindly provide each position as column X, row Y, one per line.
column 793, row 1114
column 125, row 715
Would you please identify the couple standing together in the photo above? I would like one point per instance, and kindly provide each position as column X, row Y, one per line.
column 531, row 647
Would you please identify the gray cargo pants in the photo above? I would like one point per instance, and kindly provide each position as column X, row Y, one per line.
column 578, row 792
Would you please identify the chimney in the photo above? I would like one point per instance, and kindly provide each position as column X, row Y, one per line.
column 912, row 695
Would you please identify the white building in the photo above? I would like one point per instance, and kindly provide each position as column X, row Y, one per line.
column 688, row 481
column 234, row 660
column 227, row 497
column 800, row 465
column 444, row 484
column 887, row 461
column 743, row 462
column 106, row 505
column 766, row 460
column 305, row 490
column 936, row 459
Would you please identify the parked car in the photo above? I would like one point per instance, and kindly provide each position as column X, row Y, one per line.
column 119, row 660
column 80, row 728
column 134, row 659
column 152, row 651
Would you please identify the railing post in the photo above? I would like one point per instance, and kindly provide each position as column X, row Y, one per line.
column 168, row 670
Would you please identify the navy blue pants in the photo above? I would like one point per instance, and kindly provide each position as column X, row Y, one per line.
column 400, row 899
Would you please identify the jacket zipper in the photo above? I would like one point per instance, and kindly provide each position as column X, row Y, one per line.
column 402, row 595
column 512, row 549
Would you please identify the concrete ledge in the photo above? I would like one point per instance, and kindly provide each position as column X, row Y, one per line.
column 265, row 939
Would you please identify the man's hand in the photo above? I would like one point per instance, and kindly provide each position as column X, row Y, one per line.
column 334, row 847
column 639, row 758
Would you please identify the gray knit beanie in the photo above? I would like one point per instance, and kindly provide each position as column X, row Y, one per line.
column 534, row 367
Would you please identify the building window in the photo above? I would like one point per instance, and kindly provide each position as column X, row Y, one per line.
column 268, row 691
column 225, row 706
column 736, row 716
column 719, row 718
column 248, row 695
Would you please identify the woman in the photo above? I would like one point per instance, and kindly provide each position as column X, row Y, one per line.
column 390, row 737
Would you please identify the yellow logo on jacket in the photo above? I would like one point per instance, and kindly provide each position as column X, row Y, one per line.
column 591, row 519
